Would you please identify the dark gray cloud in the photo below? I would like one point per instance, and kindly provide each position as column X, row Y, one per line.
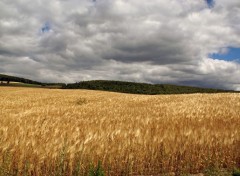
column 148, row 41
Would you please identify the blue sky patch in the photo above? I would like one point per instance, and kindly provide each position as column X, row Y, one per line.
column 210, row 3
column 46, row 27
column 231, row 54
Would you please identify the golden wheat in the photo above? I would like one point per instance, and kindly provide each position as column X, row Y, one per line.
column 42, row 130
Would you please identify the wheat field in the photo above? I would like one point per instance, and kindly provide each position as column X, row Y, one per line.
column 66, row 132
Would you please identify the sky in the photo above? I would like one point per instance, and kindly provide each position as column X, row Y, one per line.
column 230, row 54
column 184, row 42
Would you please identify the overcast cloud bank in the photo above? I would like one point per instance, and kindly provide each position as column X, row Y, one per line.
column 155, row 41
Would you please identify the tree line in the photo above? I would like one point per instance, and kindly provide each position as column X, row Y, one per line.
column 8, row 79
column 139, row 88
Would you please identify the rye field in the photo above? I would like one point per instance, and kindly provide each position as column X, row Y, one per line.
column 82, row 132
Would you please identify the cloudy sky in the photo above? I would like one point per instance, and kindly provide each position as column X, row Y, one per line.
column 186, row 42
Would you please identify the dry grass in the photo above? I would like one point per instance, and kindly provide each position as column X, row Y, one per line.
column 44, row 132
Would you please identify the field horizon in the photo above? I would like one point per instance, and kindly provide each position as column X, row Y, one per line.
column 112, row 86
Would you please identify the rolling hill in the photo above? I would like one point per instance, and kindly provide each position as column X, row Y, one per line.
column 7, row 78
column 139, row 88
column 113, row 86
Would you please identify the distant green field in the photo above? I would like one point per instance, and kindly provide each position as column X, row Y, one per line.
column 6, row 80
column 19, row 84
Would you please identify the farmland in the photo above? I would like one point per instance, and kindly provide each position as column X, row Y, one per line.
column 67, row 132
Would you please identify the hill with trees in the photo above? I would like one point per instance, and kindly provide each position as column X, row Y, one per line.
column 113, row 86
column 139, row 88
column 8, row 79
